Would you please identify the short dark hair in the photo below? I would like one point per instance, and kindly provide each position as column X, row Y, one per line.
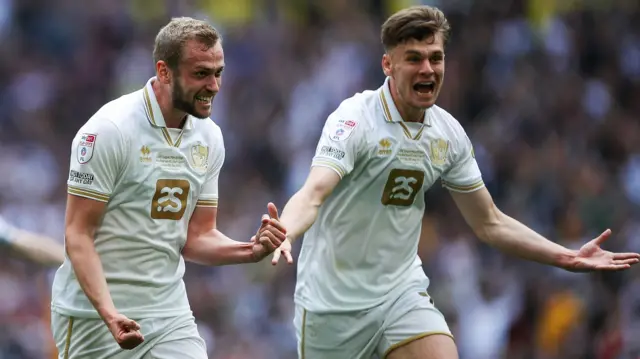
column 415, row 22
column 172, row 37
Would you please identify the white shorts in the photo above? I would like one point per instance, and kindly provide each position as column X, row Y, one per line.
column 164, row 338
column 369, row 334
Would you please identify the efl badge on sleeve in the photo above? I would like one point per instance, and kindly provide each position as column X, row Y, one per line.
column 85, row 147
column 342, row 129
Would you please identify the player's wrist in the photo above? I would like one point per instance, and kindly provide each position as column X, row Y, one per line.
column 253, row 257
column 290, row 238
column 567, row 259
column 107, row 313
column 256, row 256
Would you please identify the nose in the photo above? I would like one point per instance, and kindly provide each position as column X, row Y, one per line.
column 214, row 85
column 426, row 68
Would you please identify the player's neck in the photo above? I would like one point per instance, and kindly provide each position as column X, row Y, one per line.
column 176, row 119
column 173, row 118
column 408, row 113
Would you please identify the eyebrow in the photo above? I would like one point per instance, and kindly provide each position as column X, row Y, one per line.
column 209, row 69
column 419, row 53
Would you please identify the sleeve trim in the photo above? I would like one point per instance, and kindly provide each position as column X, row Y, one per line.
column 467, row 188
column 207, row 203
column 76, row 191
column 333, row 166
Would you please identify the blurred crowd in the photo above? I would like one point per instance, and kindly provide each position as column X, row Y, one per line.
column 548, row 91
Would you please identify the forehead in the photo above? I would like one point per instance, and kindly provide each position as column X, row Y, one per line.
column 196, row 53
column 426, row 46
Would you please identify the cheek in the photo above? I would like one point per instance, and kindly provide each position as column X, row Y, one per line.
column 400, row 73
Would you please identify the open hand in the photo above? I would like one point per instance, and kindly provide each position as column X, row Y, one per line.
column 283, row 250
column 593, row 258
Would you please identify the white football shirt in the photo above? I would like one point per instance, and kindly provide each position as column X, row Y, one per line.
column 151, row 178
column 364, row 242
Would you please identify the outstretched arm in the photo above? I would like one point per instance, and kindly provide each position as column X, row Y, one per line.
column 301, row 211
column 507, row 234
column 36, row 247
column 207, row 245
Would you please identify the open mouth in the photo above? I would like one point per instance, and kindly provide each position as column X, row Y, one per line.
column 426, row 87
column 204, row 99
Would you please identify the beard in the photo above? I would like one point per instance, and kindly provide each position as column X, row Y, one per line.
column 182, row 103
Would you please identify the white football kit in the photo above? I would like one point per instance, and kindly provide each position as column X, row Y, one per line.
column 361, row 290
column 151, row 178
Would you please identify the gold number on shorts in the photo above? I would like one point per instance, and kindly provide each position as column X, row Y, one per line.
column 402, row 187
column 170, row 199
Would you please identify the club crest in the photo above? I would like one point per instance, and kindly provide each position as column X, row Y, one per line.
column 438, row 151
column 200, row 156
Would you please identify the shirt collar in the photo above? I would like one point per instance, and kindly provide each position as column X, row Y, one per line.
column 389, row 109
column 152, row 108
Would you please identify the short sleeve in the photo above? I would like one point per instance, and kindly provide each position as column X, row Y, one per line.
column 97, row 155
column 464, row 174
column 209, row 194
column 339, row 144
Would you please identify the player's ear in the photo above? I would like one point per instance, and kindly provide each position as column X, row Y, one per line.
column 386, row 64
column 163, row 73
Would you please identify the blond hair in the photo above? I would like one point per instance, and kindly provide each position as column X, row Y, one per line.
column 172, row 37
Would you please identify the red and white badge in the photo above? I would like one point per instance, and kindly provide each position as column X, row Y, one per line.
column 85, row 147
column 341, row 129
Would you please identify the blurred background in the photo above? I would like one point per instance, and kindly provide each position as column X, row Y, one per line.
column 548, row 91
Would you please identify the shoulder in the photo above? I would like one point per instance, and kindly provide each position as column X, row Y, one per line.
column 207, row 128
column 447, row 123
column 362, row 106
column 118, row 117
column 99, row 129
column 355, row 113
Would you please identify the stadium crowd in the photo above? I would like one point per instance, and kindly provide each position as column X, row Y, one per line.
column 548, row 91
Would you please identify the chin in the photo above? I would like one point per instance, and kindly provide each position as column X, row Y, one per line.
column 425, row 104
column 200, row 114
column 428, row 104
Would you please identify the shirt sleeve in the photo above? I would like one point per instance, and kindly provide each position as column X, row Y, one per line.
column 209, row 194
column 97, row 155
column 339, row 144
column 464, row 174
column 7, row 233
